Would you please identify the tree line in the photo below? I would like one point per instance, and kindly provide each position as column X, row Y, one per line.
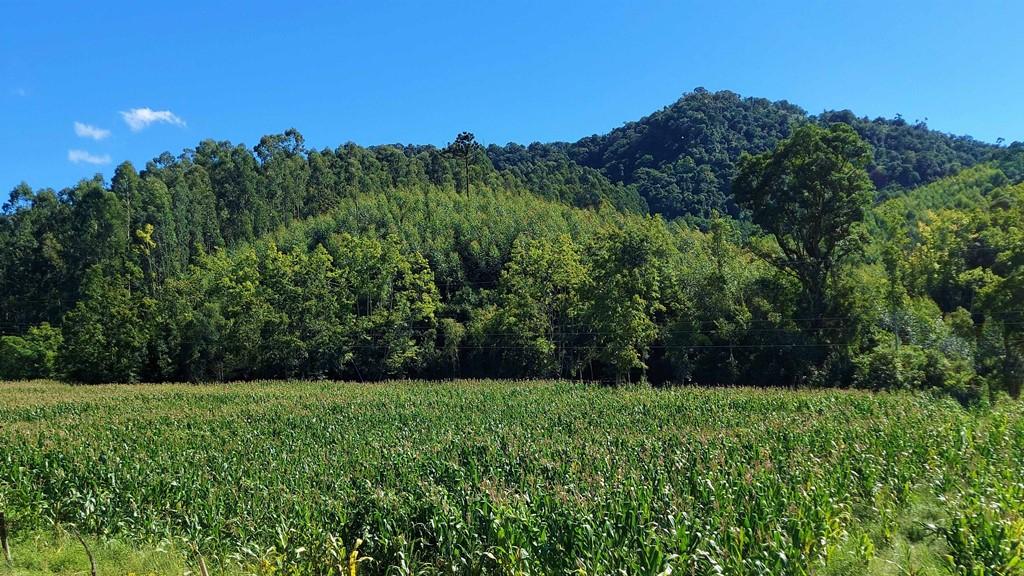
column 229, row 263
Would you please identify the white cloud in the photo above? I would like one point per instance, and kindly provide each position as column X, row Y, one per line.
column 139, row 118
column 79, row 156
column 89, row 131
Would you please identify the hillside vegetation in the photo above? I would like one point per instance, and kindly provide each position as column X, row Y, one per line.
column 682, row 159
column 365, row 263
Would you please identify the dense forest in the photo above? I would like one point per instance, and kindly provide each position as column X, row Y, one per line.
column 683, row 158
column 721, row 240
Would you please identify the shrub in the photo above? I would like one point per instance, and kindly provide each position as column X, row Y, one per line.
column 33, row 355
column 887, row 367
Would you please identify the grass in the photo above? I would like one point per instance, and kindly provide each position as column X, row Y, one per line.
column 508, row 477
column 900, row 545
column 45, row 553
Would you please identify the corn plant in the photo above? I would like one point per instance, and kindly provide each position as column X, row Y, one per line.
column 509, row 477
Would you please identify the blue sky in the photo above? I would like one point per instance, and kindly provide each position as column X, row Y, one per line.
column 419, row 72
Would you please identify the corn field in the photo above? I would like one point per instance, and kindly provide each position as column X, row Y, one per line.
column 509, row 477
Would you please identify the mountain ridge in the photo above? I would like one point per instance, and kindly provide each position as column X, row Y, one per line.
column 682, row 158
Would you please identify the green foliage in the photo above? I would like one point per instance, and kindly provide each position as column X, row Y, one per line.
column 683, row 158
column 632, row 273
column 463, row 149
column 1001, row 287
column 911, row 366
column 33, row 355
column 510, row 477
column 809, row 193
column 547, row 170
column 1011, row 161
column 428, row 281
column 57, row 552
column 105, row 334
column 367, row 263
column 356, row 307
column 966, row 190
column 732, row 321
column 395, row 301
column 985, row 532
column 908, row 155
column 540, row 301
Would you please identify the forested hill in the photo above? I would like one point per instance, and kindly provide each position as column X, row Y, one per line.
column 236, row 262
column 682, row 159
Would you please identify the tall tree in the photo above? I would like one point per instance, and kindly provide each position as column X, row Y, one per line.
column 1002, row 296
column 99, row 226
column 632, row 273
column 36, row 274
column 463, row 148
column 540, row 304
column 285, row 171
column 104, row 335
column 808, row 193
